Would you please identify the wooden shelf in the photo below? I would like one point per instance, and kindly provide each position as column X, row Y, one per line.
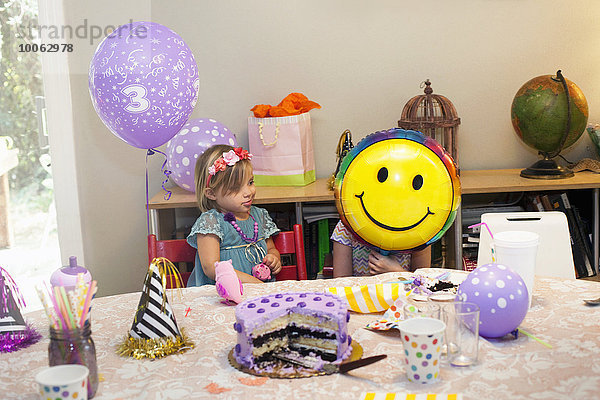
column 509, row 180
column 472, row 182
column 316, row 191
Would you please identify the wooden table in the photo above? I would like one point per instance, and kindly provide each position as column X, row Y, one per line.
column 472, row 182
column 507, row 369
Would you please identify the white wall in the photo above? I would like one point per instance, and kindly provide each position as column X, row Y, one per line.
column 360, row 60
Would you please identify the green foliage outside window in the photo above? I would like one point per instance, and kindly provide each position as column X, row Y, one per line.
column 20, row 82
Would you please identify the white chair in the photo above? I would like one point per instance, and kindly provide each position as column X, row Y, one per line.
column 554, row 256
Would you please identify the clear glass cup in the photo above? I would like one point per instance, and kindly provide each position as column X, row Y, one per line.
column 446, row 301
column 75, row 346
column 465, row 335
column 421, row 309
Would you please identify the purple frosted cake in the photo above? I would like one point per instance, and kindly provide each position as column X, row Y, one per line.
column 309, row 325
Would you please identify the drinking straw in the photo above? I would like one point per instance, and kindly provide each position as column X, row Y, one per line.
column 72, row 296
column 534, row 338
column 87, row 305
column 44, row 301
column 404, row 282
column 61, row 321
column 491, row 235
column 81, row 291
column 486, row 225
column 443, row 276
column 61, row 307
column 66, row 302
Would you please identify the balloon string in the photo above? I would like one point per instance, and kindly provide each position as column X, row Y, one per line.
column 167, row 173
column 147, row 196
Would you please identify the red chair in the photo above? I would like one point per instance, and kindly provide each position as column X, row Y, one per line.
column 292, row 242
column 178, row 250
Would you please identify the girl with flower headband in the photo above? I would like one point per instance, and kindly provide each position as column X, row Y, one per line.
column 230, row 227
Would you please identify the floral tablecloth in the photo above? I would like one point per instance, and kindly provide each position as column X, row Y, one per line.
column 511, row 369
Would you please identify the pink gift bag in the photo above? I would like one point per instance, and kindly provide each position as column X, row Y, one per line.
column 282, row 149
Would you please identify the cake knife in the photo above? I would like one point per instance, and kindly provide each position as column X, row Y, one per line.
column 350, row 365
column 331, row 368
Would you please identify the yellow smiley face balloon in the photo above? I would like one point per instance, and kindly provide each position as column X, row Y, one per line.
column 397, row 190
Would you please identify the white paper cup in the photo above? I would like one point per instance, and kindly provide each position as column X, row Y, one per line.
column 422, row 341
column 63, row 382
column 518, row 251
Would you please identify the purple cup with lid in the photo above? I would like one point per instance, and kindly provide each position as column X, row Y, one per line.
column 67, row 275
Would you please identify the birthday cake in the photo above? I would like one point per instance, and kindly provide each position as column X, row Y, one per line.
column 311, row 325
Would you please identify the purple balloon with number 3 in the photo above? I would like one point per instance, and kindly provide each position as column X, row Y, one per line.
column 143, row 82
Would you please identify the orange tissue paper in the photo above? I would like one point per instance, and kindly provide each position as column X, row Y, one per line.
column 292, row 104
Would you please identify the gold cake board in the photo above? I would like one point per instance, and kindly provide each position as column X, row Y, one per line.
column 284, row 370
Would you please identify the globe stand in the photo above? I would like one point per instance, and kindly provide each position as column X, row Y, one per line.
column 546, row 169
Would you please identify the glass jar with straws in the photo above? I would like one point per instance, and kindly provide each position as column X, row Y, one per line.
column 70, row 327
column 75, row 346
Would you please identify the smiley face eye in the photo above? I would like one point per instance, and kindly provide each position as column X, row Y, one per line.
column 382, row 174
column 417, row 182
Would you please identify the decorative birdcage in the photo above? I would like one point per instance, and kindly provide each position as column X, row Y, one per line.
column 433, row 115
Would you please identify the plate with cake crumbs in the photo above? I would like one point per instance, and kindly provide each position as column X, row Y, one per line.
column 295, row 365
column 418, row 285
column 424, row 281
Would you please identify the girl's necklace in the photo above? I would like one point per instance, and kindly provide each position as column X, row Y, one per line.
column 229, row 217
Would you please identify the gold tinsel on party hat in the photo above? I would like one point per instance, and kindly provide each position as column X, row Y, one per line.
column 154, row 332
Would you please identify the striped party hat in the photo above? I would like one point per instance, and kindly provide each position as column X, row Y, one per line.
column 15, row 333
column 154, row 332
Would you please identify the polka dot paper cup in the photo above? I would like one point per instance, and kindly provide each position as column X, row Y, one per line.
column 422, row 339
column 63, row 382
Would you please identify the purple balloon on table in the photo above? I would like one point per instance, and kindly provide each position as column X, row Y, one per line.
column 143, row 81
column 501, row 295
column 189, row 143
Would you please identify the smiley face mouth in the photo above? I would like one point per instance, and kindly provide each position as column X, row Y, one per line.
column 391, row 228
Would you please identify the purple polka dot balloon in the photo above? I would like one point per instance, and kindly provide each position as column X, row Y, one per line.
column 189, row 143
column 501, row 295
column 143, row 82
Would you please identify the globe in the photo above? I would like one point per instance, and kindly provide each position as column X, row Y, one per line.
column 549, row 113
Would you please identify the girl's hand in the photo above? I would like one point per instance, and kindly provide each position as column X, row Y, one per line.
column 379, row 264
column 273, row 262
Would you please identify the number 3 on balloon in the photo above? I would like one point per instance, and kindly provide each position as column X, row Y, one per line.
column 137, row 97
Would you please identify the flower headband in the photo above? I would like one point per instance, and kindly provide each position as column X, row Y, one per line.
column 229, row 158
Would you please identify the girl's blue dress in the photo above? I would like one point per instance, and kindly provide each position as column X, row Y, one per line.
column 232, row 246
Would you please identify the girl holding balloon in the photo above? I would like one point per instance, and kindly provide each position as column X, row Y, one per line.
column 230, row 227
column 396, row 190
column 350, row 257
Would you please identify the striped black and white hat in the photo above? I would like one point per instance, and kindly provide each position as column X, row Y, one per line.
column 154, row 332
column 154, row 317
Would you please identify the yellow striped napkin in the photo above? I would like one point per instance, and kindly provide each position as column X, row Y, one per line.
column 369, row 298
column 410, row 396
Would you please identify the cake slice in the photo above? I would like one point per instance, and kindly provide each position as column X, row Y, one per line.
column 313, row 326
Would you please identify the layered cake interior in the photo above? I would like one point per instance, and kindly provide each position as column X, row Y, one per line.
column 309, row 327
